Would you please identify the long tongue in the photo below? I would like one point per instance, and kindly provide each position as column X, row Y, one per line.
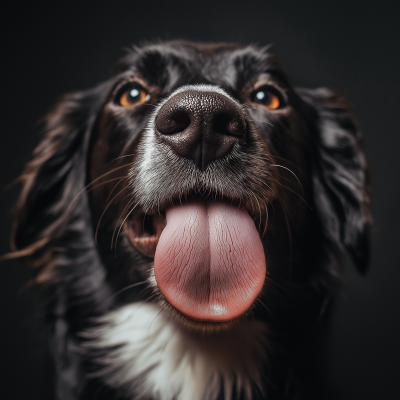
column 209, row 262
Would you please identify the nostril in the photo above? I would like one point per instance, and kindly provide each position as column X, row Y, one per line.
column 225, row 124
column 182, row 121
column 222, row 124
column 172, row 124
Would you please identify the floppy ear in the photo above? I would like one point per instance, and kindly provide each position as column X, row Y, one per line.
column 52, row 181
column 340, row 175
column 53, row 232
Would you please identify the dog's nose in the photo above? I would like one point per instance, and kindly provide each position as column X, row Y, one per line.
column 202, row 126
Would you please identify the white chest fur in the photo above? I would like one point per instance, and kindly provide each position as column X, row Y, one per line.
column 150, row 355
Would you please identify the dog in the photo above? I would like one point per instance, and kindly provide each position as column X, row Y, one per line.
column 187, row 220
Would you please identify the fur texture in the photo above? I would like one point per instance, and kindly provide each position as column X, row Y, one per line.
column 143, row 351
column 301, row 174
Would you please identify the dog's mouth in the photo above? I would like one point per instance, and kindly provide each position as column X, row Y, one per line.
column 144, row 232
column 209, row 261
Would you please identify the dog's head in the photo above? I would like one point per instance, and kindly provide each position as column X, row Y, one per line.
column 201, row 171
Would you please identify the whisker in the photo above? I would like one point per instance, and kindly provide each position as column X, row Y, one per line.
column 301, row 198
column 122, row 178
column 116, row 239
column 146, row 289
column 94, row 181
column 266, row 223
column 102, row 183
column 88, row 188
column 118, row 158
column 294, row 165
column 101, row 217
column 153, row 296
column 270, row 313
column 298, row 180
column 259, row 209
column 127, row 288
column 130, row 202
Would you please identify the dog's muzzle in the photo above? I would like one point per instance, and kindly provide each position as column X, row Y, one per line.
column 209, row 261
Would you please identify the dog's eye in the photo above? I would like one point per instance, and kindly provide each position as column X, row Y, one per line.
column 267, row 98
column 132, row 95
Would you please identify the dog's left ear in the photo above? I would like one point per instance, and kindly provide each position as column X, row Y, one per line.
column 340, row 175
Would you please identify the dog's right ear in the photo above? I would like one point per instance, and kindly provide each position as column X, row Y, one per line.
column 52, row 228
column 44, row 213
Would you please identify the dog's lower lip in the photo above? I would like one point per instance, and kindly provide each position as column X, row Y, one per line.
column 143, row 241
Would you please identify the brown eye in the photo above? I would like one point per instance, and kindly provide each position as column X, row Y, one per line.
column 265, row 97
column 133, row 95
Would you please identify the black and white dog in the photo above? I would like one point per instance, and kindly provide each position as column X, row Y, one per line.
column 187, row 219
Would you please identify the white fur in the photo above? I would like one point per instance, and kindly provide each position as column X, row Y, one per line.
column 154, row 356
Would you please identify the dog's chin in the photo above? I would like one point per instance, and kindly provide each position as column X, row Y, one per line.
column 209, row 261
column 201, row 328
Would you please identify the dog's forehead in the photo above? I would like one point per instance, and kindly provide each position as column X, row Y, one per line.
column 170, row 65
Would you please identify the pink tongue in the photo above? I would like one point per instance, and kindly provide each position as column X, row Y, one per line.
column 209, row 262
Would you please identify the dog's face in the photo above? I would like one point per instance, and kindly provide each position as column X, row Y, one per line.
column 218, row 150
column 209, row 180
column 198, row 132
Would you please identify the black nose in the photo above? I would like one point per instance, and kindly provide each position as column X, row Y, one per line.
column 202, row 126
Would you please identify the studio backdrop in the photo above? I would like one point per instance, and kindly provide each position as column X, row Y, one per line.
column 353, row 46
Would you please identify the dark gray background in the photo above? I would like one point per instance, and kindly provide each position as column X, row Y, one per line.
column 353, row 46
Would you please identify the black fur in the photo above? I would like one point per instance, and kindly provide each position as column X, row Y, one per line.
column 56, row 218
